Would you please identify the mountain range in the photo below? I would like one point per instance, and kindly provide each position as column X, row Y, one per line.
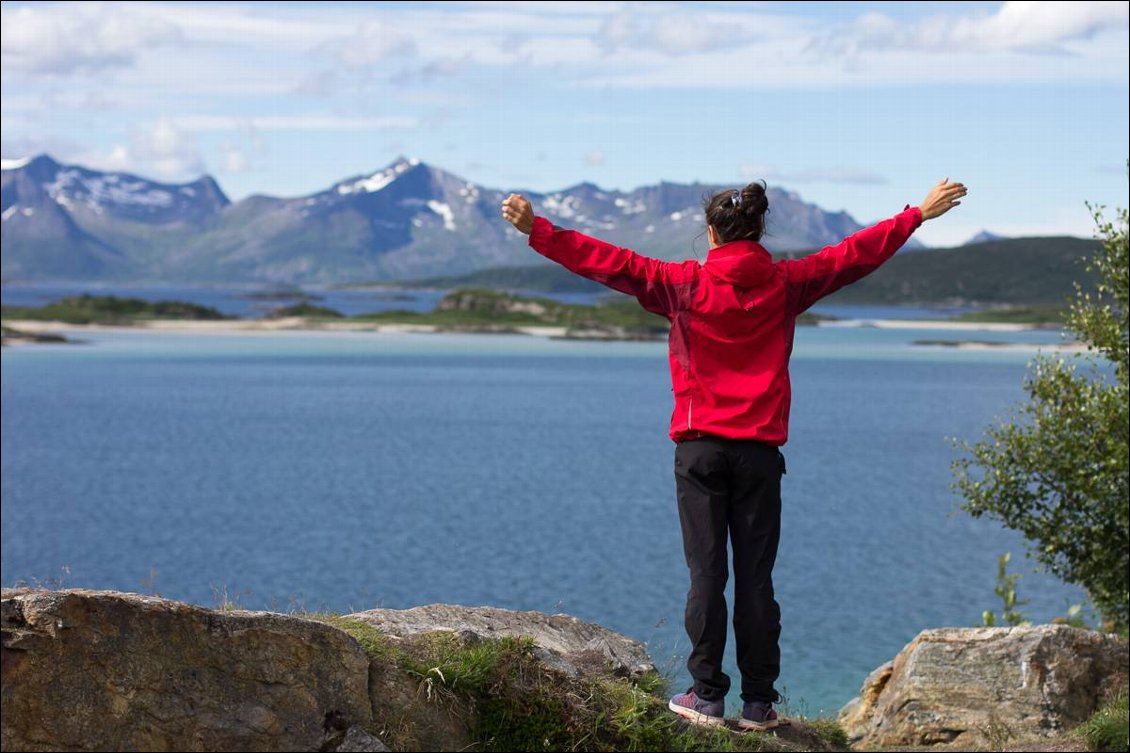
column 406, row 221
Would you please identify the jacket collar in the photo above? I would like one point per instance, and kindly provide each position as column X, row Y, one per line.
column 743, row 263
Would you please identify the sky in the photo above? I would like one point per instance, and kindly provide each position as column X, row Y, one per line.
column 854, row 106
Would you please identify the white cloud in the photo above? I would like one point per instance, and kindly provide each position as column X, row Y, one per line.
column 161, row 149
column 372, row 42
column 20, row 146
column 266, row 49
column 1081, row 42
column 595, row 158
column 276, row 26
column 1041, row 28
column 235, row 160
column 78, row 38
column 848, row 175
column 659, row 29
column 296, row 122
column 431, row 70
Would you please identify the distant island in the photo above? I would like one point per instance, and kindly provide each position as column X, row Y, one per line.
column 462, row 310
column 108, row 309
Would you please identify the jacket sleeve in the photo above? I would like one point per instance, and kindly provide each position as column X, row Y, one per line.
column 826, row 271
column 656, row 284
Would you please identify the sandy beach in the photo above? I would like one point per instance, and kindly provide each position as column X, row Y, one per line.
column 294, row 325
column 932, row 324
column 237, row 327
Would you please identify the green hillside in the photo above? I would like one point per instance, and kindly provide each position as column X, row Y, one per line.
column 538, row 278
column 108, row 309
column 1014, row 271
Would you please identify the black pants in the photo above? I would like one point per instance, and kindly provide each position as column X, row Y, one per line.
column 731, row 487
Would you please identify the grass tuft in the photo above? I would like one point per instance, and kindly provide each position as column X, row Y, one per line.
column 509, row 699
column 830, row 731
column 1109, row 727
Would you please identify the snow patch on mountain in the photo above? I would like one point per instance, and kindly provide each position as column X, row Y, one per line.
column 71, row 185
column 564, row 207
column 444, row 211
column 470, row 193
column 378, row 180
column 630, row 207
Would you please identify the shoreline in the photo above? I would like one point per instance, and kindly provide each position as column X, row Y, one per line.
column 935, row 324
column 294, row 324
column 301, row 325
column 305, row 323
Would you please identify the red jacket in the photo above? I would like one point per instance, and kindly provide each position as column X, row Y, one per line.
column 732, row 318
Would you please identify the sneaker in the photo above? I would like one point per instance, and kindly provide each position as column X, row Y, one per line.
column 758, row 716
column 690, row 706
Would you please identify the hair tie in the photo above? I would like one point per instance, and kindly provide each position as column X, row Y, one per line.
column 736, row 198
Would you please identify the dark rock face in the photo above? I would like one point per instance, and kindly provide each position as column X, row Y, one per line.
column 88, row 670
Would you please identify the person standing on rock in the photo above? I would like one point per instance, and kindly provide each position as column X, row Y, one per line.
column 732, row 321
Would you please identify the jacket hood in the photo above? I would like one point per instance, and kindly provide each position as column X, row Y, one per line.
column 741, row 263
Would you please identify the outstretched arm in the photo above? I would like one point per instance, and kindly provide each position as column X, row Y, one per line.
column 656, row 284
column 833, row 267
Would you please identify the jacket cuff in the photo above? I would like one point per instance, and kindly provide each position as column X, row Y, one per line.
column 917, row 212
column 543, row 228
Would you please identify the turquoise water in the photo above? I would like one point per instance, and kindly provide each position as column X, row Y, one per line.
column 351, row 470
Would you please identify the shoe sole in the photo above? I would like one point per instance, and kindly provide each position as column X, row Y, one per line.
column 696, row 717
column 746, row 724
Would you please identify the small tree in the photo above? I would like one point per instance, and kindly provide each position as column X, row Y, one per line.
column 1059, row 472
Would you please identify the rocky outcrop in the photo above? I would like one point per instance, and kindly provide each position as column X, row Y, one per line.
column 565, row 643
column 15, row 336
column 986, row 686
column 89, row 670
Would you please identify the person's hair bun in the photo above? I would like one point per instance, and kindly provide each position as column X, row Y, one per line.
column 754, row 199
column 738, row 215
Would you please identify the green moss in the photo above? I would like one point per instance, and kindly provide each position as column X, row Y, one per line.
column 653, row 683
column 513, row 701
column 830, row 731
column 375, row 643
column 528, row 724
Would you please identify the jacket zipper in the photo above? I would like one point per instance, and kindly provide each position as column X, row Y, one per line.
column 690, row 406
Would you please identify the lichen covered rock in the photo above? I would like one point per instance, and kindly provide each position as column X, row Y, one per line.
column 87, row 670
column 985, row 686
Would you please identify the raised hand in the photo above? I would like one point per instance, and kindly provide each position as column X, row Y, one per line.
column 519, row 212
column 942, row 198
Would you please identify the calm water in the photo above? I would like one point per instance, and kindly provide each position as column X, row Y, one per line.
column 352, row 470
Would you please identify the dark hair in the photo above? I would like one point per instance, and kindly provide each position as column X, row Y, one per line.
column 738, row 215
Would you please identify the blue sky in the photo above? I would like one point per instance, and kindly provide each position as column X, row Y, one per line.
column 855, row 106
